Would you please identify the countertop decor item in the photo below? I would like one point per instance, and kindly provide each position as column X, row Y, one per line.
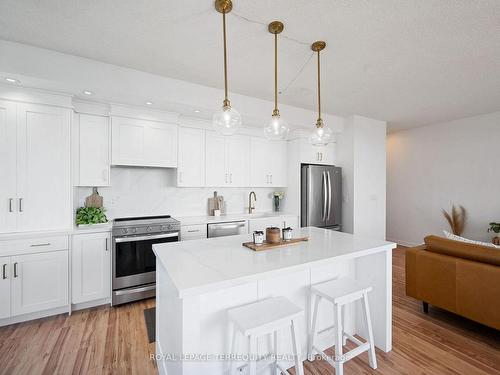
column 456, row 219
column 277, row 128
column 258, row 237
column 90, row 215
column 495, row 228
column 273, row 235
column 94, row 199
column 216, row 204
column 277, row 196
column 287, row 233
column 226, row 120
column 267, row 246
column 322, row 134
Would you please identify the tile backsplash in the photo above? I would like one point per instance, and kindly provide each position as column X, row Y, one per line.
column 152, row 191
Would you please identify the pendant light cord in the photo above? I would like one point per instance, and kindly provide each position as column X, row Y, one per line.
column 276, row 111
column 226, row 100
column 319, row 91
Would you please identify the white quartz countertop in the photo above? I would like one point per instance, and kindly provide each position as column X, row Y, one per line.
column 193, row 220
column 200, row 266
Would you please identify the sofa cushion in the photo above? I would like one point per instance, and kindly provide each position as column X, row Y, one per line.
column 463, row 250
column 452, row 236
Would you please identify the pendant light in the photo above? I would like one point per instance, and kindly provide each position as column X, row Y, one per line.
column 277, row 128
column 227, row 120
column 322, row 134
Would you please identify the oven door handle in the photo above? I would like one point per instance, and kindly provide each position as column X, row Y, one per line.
column 142, row 238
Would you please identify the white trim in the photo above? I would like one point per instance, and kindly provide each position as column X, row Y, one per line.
column 36, row 96
column 89, row 304
column 33, row 316
column 143, row 113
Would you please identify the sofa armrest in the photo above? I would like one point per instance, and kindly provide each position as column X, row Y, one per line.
column 411, row 270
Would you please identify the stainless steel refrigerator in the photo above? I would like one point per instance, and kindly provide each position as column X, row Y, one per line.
column 321, row 196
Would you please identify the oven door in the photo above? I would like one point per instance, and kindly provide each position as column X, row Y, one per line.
column 134, row 262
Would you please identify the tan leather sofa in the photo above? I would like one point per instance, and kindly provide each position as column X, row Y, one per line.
column 456, row 276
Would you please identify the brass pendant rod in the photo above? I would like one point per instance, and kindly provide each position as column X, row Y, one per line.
column 319, row 89
column 276, row 74
column 226, row 100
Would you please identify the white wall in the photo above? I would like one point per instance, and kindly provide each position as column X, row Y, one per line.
column 152, row 191
column 362, row 155
column 431, row 167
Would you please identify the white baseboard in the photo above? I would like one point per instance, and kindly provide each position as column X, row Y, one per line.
column 89, row 304
column 33, row 316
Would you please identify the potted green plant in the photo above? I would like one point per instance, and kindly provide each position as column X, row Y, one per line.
column 90, row 216
column 495, row 228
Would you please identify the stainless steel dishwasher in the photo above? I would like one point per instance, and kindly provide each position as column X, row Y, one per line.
column 230, row 228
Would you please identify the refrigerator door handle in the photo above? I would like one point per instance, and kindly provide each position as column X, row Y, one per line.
column 329, row 195
column 325, row 195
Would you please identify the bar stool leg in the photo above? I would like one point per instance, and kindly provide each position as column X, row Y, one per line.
column 344, row 338
column 312, row 332
column 371, row 353
column 299, row 369
column 339, row 366
column 252, row 363
column 276, row 369
column 231, row 349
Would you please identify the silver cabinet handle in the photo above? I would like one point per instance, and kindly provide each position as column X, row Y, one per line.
column 141, row 238
column 180, row 177
column 4, row 271
column 267, row 178
column 40, row 244
column 230, row 178
column 20, row 204
column 15, row 269
column 11, row 200
column 271, row 178
column 226, row 178
column 193, row 230
column 107, row 248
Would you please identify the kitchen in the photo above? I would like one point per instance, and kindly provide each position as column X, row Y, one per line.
column 153, row 165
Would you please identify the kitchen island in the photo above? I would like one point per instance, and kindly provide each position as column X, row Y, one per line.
column 197, row 281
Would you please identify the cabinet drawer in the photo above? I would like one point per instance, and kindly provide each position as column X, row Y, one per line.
column 34, row 245
column 193, row 232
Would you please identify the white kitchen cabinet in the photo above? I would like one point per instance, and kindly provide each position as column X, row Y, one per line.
column 92, row 150
column 191, row 158
column 5, row 270
column 310, row 154
column 8, row 167
column 35, row 161
column 91, row 267
column 227, row 160
column 193, row 232
column 143, row 143
column 39, row 282
column 268, row 166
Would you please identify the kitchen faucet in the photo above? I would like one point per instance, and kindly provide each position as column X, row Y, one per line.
column 250, row 207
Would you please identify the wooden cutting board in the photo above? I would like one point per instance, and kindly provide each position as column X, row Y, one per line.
column 269, row 246
column 94, row 200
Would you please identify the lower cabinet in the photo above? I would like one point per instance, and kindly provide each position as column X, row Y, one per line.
column 38, row 282
column 91, row 267
column 193, row 232
column 5, row 287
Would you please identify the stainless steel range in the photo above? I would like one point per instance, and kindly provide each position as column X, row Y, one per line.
column 134, row 263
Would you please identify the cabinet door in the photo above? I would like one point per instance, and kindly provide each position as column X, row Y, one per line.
column 238, row 160
column 191, row 158
column 260, row 149
column 128, row 137
column 317, row 154
column 278, row 158
column 43, row 168
column 39, row 282
column 5, row 276
column 91, row 262
column 8, row 204
column 215, row 162
column 93, row 147
column 160, row 145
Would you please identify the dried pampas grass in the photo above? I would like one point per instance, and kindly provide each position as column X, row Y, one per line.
column 456, row 219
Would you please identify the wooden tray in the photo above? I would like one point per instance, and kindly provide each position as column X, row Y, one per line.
column 268, row 246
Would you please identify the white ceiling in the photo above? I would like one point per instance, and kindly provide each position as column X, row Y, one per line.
column 408, row 62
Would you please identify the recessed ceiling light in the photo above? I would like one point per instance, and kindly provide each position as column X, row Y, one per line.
column 88, row 92
column 11, row 80
column 149, row 103
column 197, row 111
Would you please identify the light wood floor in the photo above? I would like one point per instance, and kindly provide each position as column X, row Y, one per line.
column 114, row 341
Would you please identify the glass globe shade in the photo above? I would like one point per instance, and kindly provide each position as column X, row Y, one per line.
column 321, row 135
column 277, row 128
column 227, row 120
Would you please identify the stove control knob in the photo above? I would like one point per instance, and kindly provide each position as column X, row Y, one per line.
column 133, row 230
column 125, row 231
column 149, row 229
column 163, row 227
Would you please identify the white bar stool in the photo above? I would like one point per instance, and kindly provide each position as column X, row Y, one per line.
column 264, row 318
column 341, row 292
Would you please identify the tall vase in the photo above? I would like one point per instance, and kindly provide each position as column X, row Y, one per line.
column 276, row 204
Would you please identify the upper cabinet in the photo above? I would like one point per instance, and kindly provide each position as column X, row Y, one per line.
column 227, row 160
column 310, row 154
column 268, row 166
column 37, row 192
column 191, row 158
column 143, row 143
column 92, row 150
